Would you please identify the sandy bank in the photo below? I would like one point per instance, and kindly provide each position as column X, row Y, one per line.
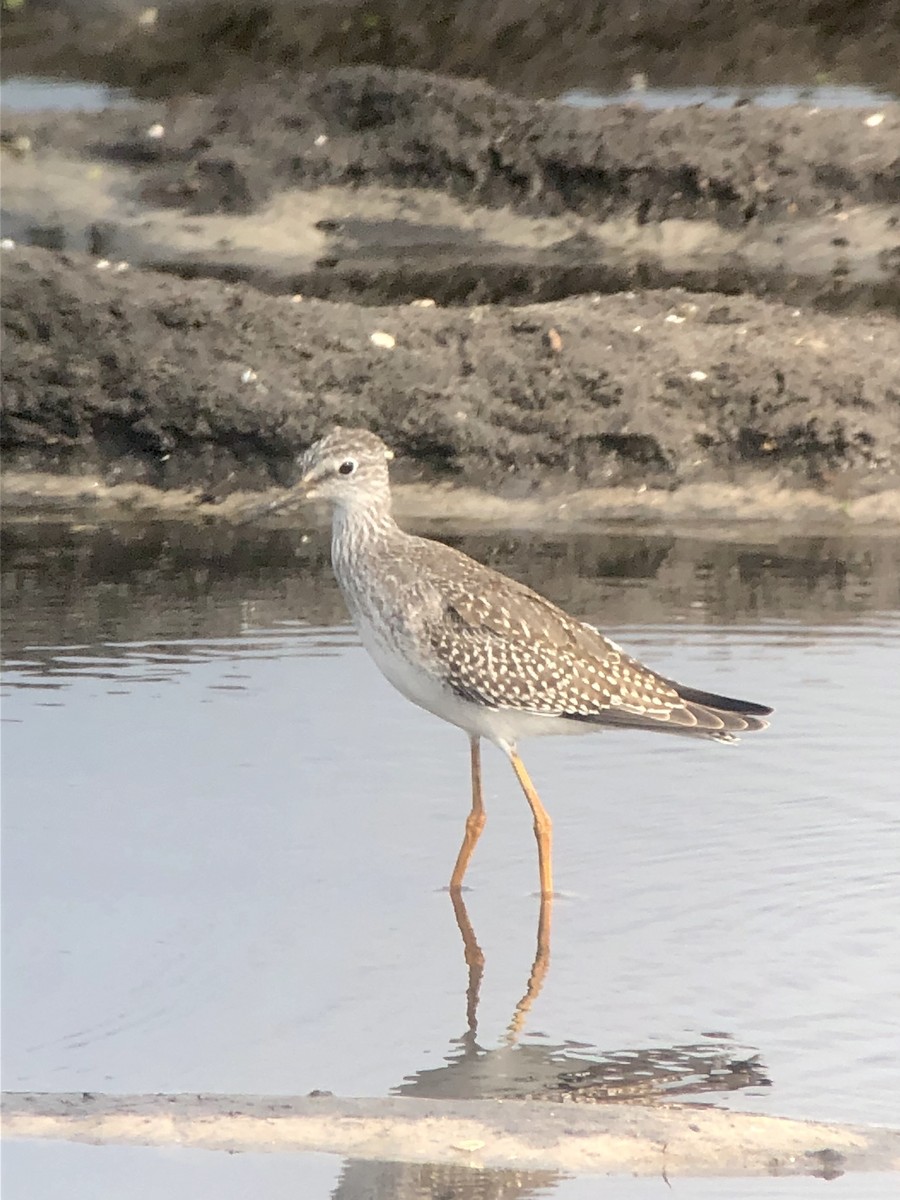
column 618, row 1139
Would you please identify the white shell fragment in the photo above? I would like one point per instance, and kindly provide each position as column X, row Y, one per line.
column 698, row 376
column 874, row 120
column 385, row 341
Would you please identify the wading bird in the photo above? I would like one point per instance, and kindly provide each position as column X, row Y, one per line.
column 479, row 649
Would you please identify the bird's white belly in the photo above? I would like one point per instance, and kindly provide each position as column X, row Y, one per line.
column 504, row 726
column 411, row 680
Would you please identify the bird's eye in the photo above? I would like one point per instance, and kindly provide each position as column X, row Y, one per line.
column 348, row 467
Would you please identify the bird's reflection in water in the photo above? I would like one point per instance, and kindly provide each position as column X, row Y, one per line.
column 475, row 964
column 554, row 1073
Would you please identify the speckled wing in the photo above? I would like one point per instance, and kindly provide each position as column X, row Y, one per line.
column 504, row 646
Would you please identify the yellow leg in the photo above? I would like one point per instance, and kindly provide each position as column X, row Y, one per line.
column 474, row 821
column 543, row 826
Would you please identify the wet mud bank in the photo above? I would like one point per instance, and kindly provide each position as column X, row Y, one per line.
column 141, row 378
column 534, row 301
column 379, row 186
column 529, row 46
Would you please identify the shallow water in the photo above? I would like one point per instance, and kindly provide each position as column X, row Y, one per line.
column 226, row 838
column 30, row 93
column 57, row 1171
column 36, row 93
column 776, row 96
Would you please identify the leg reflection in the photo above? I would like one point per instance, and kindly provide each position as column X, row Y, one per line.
column 475, row 963
column 539, row 969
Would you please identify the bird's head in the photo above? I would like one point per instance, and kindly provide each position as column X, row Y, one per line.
column 346, row 466
column 349, row 467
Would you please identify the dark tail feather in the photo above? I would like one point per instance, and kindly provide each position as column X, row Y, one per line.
column 723, row 703
column 731, row 716
column 700, row 714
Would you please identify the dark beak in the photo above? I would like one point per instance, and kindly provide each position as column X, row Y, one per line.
column 291, row 498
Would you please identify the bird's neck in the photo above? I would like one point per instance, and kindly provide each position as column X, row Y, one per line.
column 357, row 530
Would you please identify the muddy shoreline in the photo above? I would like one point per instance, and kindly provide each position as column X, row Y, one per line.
column 379, row 187
column 530, row 47
column 140, row 378
column 617, row 1139
column 529, row 300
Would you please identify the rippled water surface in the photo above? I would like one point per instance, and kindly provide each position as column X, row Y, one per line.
column 226, row 838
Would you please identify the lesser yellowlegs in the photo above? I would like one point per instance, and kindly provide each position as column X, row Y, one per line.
column 483, row 651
